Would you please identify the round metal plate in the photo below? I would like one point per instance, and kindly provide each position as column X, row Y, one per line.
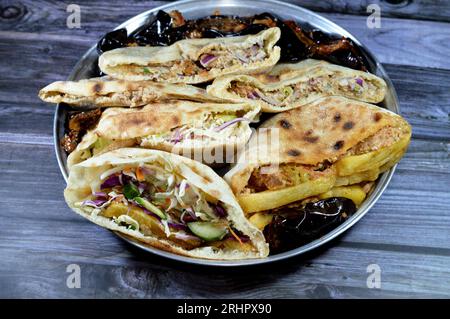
column 200, row 8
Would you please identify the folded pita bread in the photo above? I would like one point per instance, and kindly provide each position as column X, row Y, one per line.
column 166, row 201
column 207, row 132
column 307, row 152
column 106, row 92
column 288, row 86
column 194, row 60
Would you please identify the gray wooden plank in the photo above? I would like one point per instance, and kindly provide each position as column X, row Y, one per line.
column 47, row 15
column 407, row 232
column 414, row 42
column 338, row 272
column 437, row 10
column 412, row 212
column 401, row 41
column 40, row 237
column 424, row 93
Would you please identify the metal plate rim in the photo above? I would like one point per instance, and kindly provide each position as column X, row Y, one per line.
column 382, row 182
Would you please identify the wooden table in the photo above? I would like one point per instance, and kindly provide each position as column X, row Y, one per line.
column 407, row 233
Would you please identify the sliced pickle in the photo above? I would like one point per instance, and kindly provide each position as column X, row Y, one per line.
column 148, row 225
column 353, row 192
column 257, row 202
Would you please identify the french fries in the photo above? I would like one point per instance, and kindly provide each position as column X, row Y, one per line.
column 256, row 202
column 353, row 192
column 359, row 163
column 367, row 176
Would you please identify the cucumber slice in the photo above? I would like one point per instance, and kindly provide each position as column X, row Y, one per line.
column 208, row 231
column 147, row 205
column 130, row 191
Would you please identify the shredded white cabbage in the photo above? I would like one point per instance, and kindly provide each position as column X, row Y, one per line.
column 127, row 220
column 202, row 130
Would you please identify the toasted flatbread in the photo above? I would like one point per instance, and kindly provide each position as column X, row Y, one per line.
column 194, row 60
column 195, row 130
column 288, row 86
column 307, row 151
column 120, row 213
column 107, row 92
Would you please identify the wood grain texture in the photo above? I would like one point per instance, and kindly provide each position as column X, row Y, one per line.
column 400, row 41
column 406, row 227
column 436, row 10
column 406, row 207
column 407, row 232
column 424, row 93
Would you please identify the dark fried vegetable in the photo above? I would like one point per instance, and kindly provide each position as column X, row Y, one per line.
column 297, row 42
column 70, row 141
column 78, row 124
column 163, row 31
column 296, row 225
column 320, row 45
column 113, row 40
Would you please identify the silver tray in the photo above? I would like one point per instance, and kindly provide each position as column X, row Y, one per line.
column 200, row 8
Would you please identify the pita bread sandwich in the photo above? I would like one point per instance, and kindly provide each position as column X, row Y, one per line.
column 106, row 92
column 333, row 147
column 166, row 201
column 194, row 60
column 207, row 132
column 288, row 86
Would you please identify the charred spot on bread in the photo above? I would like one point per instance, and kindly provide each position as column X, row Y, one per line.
column 311, row 139
column 377, row 116
column 338, row 145
column 97, row 87
column 285, row 124
column 348, row 125
column 293, row 152
column 337, row 117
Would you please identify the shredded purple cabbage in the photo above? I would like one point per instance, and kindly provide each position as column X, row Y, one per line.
column 100, row 195
column 253, row 95
column 177, row 226
column 111, row 181
column 220, row 211
column 207, row 59
column 226, row 124
column 188, row 216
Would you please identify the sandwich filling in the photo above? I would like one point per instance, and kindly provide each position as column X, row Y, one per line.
column 214, row 126
column 330, row 84
column 292, row 182
column 226, row 127
column 125, row 98
column 158, row 202
column 216, row 56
